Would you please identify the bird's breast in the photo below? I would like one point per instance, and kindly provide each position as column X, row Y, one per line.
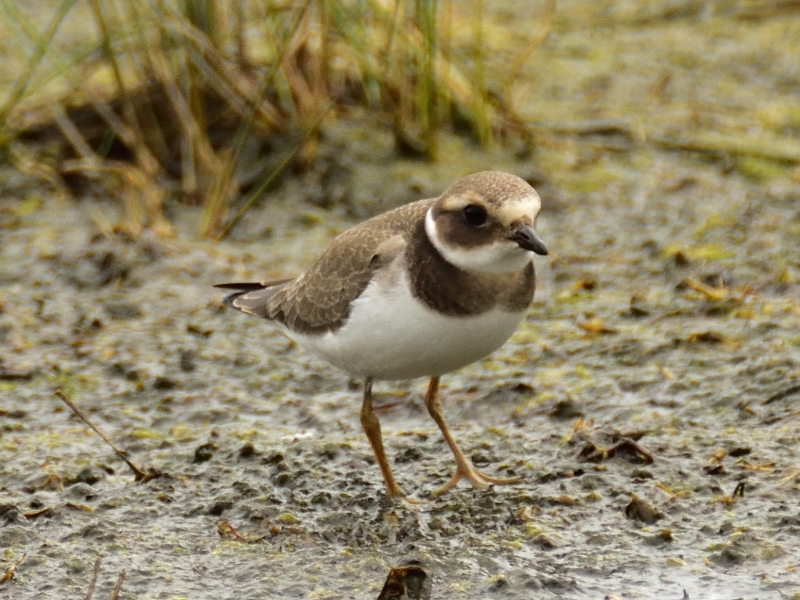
column 390, row 334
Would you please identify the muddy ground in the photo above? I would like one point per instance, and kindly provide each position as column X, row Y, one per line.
column 666, row 314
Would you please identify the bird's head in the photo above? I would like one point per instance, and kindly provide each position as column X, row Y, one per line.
column 485, row 222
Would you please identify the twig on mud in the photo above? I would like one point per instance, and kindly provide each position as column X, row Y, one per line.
column 9, row 574
column 710, row 292
column 794, row 474
column 93, row 580
column 118, row 587
column 739, row 490
column 227, row 531
column 595, row 453
column 48, row 511
column 782, row 394
column 633, row 445
column 138, row 474
column 605, row 127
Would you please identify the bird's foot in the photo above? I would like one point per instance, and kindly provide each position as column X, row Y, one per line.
column 412, row 503
column 478, row 480
column 395, row 495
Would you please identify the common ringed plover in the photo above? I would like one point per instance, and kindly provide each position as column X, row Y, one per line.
column 417, row 291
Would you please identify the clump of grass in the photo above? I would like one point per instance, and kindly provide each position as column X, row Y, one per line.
column 172, row 96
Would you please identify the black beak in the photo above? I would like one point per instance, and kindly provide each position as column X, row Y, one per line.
column 528, row 239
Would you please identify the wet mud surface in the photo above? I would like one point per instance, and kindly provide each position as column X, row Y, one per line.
column 650, row 400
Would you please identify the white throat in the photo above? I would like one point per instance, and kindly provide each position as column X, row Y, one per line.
column 499, row 257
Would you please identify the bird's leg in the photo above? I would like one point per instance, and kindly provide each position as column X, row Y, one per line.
column 372, row 427
column 464, row 468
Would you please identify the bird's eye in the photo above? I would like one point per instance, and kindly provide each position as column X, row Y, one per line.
column 475, row 215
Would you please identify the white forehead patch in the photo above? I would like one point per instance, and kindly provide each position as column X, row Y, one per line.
column 501, row 256
column 527, row 206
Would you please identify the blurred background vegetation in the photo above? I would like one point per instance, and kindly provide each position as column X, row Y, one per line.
column 212, row 102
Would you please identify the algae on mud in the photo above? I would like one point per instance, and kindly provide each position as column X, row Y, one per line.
column 669, row 306
column 288, row 463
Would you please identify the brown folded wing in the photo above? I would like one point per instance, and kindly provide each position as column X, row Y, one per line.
column 320, row 299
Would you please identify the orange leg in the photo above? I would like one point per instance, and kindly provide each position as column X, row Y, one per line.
column 464, row 468
column 372, row 427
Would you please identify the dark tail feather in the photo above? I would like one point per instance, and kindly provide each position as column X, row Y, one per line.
column 243, row 287
column 251, row 298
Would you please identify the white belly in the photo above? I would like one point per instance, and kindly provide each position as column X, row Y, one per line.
column 391, row 335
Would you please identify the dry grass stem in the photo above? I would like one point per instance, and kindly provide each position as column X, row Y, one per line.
column 9, row 574
column 139, row 475
column 21, row 85
column 93, row 579
column 546, row 14
column 117, row 586
column 165, row 86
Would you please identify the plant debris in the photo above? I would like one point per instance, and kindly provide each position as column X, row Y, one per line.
column 139, row 475
column 407, row 582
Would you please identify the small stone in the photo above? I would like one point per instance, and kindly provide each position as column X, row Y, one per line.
column 87, row 475
column 204, row 453
column 122, row 311
column 220, row 507
column 79, row 491
column 641, row 510
column 409, row 581
column 273, row 458
column 247, row 451
column 567, row 409
column 164, row 383
column 288, row 518
column 186, row 361
column 499, row 584
column 408, row 455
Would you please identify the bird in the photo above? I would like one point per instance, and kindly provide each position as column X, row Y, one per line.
column 418, row 291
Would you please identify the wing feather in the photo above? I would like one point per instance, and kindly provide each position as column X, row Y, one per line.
column 320, row 299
